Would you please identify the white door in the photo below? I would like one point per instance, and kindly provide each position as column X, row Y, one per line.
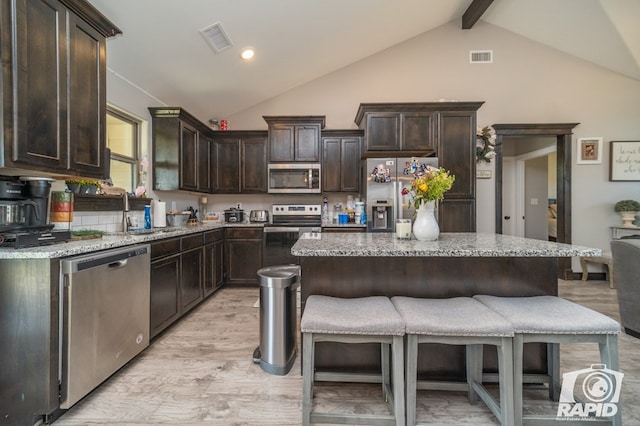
column 509, row 189
column 514, row 201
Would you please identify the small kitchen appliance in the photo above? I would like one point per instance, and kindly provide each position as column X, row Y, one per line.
column 234, row 215
column 260, row 216
column 294, row 178
column 24, row 213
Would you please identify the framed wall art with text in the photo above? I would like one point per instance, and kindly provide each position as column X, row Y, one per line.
column 624, row 161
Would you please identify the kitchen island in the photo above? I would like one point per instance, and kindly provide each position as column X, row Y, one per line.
column 457, row 264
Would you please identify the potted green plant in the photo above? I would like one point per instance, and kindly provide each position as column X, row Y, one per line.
column 73, row 184
column 628, row 210
column 89, row 186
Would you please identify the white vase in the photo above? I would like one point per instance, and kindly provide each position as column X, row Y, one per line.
column 628, row 218
column 425, row 227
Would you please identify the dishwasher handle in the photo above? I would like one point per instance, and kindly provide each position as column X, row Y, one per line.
column 119, row 264
column 111, row 258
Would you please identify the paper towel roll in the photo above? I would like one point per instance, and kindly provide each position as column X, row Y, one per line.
column 159, row 214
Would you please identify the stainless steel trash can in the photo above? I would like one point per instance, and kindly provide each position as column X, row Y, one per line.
column 278, row 317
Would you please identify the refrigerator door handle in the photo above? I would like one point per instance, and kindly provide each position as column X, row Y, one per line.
column 396, row 201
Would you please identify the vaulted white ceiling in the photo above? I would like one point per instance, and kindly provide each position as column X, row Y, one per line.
column 162, row 51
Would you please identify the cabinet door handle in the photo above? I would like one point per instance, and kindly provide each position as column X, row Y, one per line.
column 507, row 217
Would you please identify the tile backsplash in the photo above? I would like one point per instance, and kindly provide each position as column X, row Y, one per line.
column 109, row 221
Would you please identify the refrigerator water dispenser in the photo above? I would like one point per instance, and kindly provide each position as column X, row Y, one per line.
column 382, row 216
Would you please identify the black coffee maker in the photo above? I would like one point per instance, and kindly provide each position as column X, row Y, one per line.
column 24, row 212
column 38, row 190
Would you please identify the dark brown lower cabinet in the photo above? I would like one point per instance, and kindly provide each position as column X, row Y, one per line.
column 243, row 255
column 457, row 215
column 177, row 271
column 165, row 305
column 213, row 261
column 190, row 278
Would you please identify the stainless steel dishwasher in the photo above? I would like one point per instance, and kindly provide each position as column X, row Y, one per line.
column 105, row 316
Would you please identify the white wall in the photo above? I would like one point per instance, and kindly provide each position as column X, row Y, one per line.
column 527, row 83
column 124, row 95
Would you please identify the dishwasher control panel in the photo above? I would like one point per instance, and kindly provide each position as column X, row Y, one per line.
column 92, row 260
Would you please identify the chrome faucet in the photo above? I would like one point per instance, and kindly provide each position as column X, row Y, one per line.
column 126, row 220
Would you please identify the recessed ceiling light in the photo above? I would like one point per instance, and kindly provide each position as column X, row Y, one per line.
column 247, row 53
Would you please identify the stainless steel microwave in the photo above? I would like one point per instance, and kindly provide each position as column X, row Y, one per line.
column 294, row 178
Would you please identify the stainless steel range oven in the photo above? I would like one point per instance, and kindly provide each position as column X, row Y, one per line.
column 289, row 221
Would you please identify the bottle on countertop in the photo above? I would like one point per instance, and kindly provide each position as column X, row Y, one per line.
column 350, row 202
column 147, row 217
column 325, row 210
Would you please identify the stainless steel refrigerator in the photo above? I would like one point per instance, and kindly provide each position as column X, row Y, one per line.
column 384, row 180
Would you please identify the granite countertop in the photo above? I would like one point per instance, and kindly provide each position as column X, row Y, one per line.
column 114, row 240
column 447, row 245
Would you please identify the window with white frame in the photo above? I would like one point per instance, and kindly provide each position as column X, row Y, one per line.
column 123, row 136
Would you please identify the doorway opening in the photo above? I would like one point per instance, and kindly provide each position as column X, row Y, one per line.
column 529, row 188
column 562, row 133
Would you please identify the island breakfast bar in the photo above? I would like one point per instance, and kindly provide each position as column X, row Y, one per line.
column 457, row 264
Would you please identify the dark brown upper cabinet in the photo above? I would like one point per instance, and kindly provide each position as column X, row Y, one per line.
column 443, row 129
column 189, row 145
column 390, row 129
column 181, row 151
column 341, row 160
column 203, row 163
column 253, row 164
column 294, row 138
column 239, row 162
column 225, row 161
column 54, row 85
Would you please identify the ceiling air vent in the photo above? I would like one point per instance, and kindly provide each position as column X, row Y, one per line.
column 216, row 37
column 481, row 56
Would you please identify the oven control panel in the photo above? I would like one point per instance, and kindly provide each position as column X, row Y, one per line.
column 296, row 209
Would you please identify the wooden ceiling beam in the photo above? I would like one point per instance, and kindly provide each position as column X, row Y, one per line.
column 474, row 12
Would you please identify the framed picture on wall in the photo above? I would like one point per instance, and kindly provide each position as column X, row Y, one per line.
column 589, row 151
column 624, row 161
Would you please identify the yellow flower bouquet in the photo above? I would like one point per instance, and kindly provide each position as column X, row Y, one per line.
column 429, row 185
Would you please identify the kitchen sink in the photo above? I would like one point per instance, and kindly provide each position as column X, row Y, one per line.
column 144, row 231
column 133, row 233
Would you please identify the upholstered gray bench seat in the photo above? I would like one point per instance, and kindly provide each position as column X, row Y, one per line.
column 458, row 321
column 359, row 320
column 553, row 320
column 373, row 315
column 549, row 315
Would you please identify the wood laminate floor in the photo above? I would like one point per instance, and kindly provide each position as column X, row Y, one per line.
column 200, row 371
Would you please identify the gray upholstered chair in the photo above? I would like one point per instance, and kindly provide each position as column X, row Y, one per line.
column 359, row 320
column 626, row 260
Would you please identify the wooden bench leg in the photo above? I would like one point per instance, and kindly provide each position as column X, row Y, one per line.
column 610, row 269
column 585, row 270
